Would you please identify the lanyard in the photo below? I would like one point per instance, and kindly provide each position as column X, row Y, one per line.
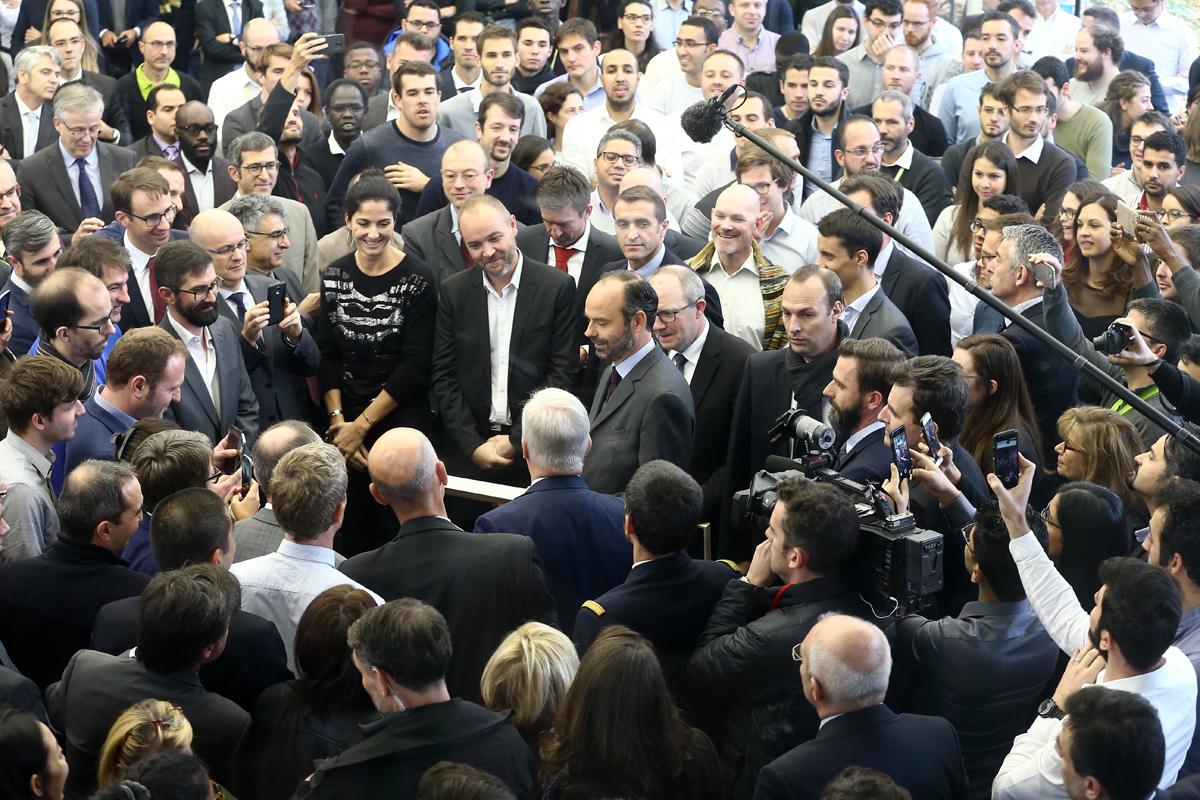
column 1121, row 406
column 899, row 175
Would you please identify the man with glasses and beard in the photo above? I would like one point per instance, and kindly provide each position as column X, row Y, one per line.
column 857, row 393
column 216, row 392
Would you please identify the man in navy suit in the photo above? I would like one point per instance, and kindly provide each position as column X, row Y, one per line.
column 578, row 532
column 32, row 247
column 145, row 371
column 844, row 667
column 857, row 393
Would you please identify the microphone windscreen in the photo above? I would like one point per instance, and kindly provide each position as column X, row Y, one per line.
column 700, row 122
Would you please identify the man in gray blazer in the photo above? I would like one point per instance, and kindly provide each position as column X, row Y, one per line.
column 643, row 407
column 261, row 534
column 848, row 245
column 50, row 178
column 216, row 391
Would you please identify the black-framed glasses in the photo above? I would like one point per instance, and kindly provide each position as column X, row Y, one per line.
column 276, row 235
column 3, row 492
column 255, row 170
column 976, row 225
column 796, row 654
column 196, row 130
column 216, row 476
column 670, row 316
column 202, row 292
column 422, row 26
column 633, row 19
column 147, row 732
column 610, row 157
column 1171, row 216
column 120, row 440
column 229, row 249
column 154, row 220
column 12, row 194
column 966, row 532
column 1046, row 518
column 100, row 325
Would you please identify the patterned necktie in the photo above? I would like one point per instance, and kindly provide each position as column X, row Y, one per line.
column 304, row 20
column 87, row 192
column 466, row 254
column 613, row 380
column 237, row 18
column 680, row 362
column 561, row 256
column 159, row 305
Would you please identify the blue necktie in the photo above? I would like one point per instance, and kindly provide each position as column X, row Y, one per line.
column 87, row 192
column 237, row 18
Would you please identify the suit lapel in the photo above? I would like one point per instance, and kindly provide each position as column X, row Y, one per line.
column 10, row 119
column 46, row 133
column 107, row 176
column 446, row 242
column 864, row 319
column 526, row 297
column 706, row 366
column 891, row 272
column 136, row 307
column 226, row 354
column 224, row 187
column 190, row 204
column 625, row 388
column 477, row 309
column 194, row 380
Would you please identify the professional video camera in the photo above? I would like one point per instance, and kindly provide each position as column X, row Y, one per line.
column 895, row 561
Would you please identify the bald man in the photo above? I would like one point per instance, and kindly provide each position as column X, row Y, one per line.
column 10, row 206
column 242, row 85
column 485, row 585
column 158, row 46
column 523, row 310
column 844, row 667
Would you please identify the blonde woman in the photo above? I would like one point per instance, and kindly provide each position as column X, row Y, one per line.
column 1098, row 446
column 145, row 729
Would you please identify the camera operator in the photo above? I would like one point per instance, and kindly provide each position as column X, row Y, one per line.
column 745, row 661
column 858, row 391
column 1163, row 322
column 1180, row 390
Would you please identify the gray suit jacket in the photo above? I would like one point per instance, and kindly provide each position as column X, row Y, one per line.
column 244, row 119
column 882, row 319
column 194, row 411
column 146, row 147
column 47, row 187
column 258, row 536
column 460, row 114
column 431, row 241
column 649, row 416
column 301, row 257
column 377, row 108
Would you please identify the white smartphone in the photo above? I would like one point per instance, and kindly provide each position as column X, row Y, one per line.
column 1127, row 218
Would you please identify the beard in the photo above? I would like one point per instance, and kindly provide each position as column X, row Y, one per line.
column 1094, row 637
column 199, row 315
column 617, row 349
column 1088, row 72
column 829, row 110
column 844, row 420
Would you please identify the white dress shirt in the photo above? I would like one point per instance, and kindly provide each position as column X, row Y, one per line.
column 230, row 92
column 91, row 169
column 912, row 222
column 674, row 94
column 691, row 356
column 962, row 305
column 853, row 311
column 279, row 586
column 141, row 272
column 502, row 307
column 1052, row 37
column 792, row 244
column 741, row 300
column 584, row 132
column 1170, row 44
column 575, row 261
column 202, row 182
column 30, row 123
column 203, row 353
column 228, row 296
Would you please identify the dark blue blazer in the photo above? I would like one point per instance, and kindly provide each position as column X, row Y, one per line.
column 134, row 314
column 137, row 552
column 1158, row 98
column 138, row 14
column 19, row 692
column 870, row 460
column 592, row 559
column 93, row 435
column 25, row 330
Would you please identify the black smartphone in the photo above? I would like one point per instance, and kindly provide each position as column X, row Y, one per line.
column 931, row 438
column 238, row 440
column 276, row 302
column 900, row 453
column 247, row 475
column 1004, row 458
column 4, row 310
column 334, row 43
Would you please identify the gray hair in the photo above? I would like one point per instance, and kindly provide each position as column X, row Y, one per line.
column 689, row 281
column 906, row 103
column 419, row 484
column 28, row 58
column 1029, row 239
column 844, row 685
column 266, row 457
column 309, row 484
column 251, row 208
column 555, row 426
column 251, row 142
column 28, row 232
column 79, row 99
column 624, row 136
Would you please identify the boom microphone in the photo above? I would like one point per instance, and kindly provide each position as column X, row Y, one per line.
column 701, row 121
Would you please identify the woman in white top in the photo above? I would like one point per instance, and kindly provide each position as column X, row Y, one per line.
column 989, row 169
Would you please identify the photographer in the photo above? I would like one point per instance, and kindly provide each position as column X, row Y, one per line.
column 745, row 661
column 1163, row 322
column 1180, row 390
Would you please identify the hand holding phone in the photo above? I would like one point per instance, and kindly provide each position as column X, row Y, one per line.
column 900, row 454
column 931, row 438
column 1004, row 458
column 276, row 302
column 1127, row 218
column 234, row 440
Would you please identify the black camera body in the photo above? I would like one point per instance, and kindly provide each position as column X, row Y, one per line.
column 1113, row 340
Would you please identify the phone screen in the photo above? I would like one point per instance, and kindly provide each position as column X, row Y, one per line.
column 931, row 438
column 247, row 474
column 1004, row 458
column 900, row 453
column 4, row 310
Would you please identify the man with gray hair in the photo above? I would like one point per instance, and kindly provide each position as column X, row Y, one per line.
column 29, row 121
column 69, row 183
column 844, row 667
column 902, row 162
column 261, row 534
column 617, row 153
column 595, row 557
column 32, row 247
column 484, row 585
column 262, row 219
column 309, row 485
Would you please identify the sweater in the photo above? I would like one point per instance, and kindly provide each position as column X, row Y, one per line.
column 1047, row 180
column 1088, row 135
column 516, row 189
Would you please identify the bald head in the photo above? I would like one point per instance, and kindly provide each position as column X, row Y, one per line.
column 739, row 197
column 155, row 30
column 643, row 176
column 278, row 440
column 467, row 150
column 213, row 226
column 848, row 660
column 406, row 474
column 256, row 34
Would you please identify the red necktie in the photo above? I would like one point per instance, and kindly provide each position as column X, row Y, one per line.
column 561, row 256
column 466, row 254
column 160, row 306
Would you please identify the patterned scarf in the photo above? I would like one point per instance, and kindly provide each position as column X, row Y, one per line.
column 88, row 369
column 771, row 280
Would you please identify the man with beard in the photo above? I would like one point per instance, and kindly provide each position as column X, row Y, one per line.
column 1162, row 169
column 643, row 408
column 1084, row 131
column 883, row 21
column 902, row 73
column 697, row 39
column 935, row 44
column 216, row 392
column 497, row 47
column 958, row 111
column 857, row 392
column 1098, row 15
column 73, row 307
column 208, row 182
column 32, row 248
column 524, row 311
column 712, row 362
column 1098, row 54
column 893, row 113
column 828, row 87
column 1125, row 644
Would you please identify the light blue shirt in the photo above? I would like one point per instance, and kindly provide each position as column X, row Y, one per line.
column 121, row 416
column 820, row 157
column 651, row 266
column 625, row 367
column 668, row 21
column 92, row 168
column 959, row 111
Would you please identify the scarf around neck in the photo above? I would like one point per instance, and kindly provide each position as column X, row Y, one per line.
column 808, row 379
column 88, row 369
column 771, row 280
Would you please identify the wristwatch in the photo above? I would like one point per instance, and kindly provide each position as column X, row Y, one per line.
column 1050, row 710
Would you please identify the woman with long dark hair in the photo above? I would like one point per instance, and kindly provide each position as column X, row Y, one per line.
column 635, row 32
column 1087, row 524
column 1127, row 99
column 618, row 729
column 843, row 31
column 998, row 399
column 988, row 170
column 1063, row 226
column 32, row 765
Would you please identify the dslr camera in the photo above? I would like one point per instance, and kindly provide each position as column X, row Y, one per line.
column 1114, row 340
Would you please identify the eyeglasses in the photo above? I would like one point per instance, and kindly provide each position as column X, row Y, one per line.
column 796, row 654
column 879, row 24
column 670, row 316
column 688, row 44
column 101, row 325
column 342, row 108
column 196, row 130
column 1027, row 110
column 146, row 732
column 452, row 177
column 160, row 45
column 708, row 13
column 216, row 476
column 1171, row 216
column 79, row 133
column 202, row 292
column 229, row 249
column 422, row 26
column 357, row 65
column 1046, row 518
column 976, row 225
column 120, row 440
column 12, row 194
column 633, row 19
column 3, row 493
column 863, row 152
column 985, row 258
column 761, row 188
column 74, row 41
column 1066, row 443
column 255, row 170
column 967, row 530
column 611, row 158
column 1067, row 213
column 154, row 220
column 276, row 235
column 70, row 14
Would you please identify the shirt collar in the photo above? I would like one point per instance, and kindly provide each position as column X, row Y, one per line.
column 190, row 167
column 625, row 367
column 514, row 285
column 334, row 147
column 240, row 288
column 21, row 283
column 881, row 260
column 24, row 109
column 121, row 416
column 139, row 259
column 92, row 159
column 787, row 224
column 905, row 159
column 1020, row 307
column 598, row 204
column 164, row 145
column 187, row 336
column 861, row 301
column 1034, row 151
column 651, row 266
column 692, row 353
column 750, row 265
column 42, row 463
column 854, row 439
column 309, row 552
column 453, row 219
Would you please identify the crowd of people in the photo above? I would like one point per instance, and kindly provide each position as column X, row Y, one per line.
column 377, row 380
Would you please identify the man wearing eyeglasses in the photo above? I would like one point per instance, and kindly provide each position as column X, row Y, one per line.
column 618, row 153
column 274, row 62
column 70, row 182
column 66, row 37
column 242, row 85
column 1046, row 170
column 158, row 46
column 208, row 183
column 884, row 20
column 697, row 39
column 267, row 232
column 75, row 309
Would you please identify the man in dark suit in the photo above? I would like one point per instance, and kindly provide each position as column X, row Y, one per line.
column 37, row 69
column 846, row 684
column 643, row 408
column 857, row 393
column 17, row 691
column 215, row 370
column 32, row 247
column 432, row 560
column 73, row 191
column 219, row 30
column 66, row 37
column 918, row 290
column 848, row 245
column 62, row 589
column 261, row 534
column 124, row 21
column 193, row 526
column 96, row 688
column 208, row 183
column 163, row 140
column 712, row 362
column 503, row 331
column 158, row 47
column 595, row 557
